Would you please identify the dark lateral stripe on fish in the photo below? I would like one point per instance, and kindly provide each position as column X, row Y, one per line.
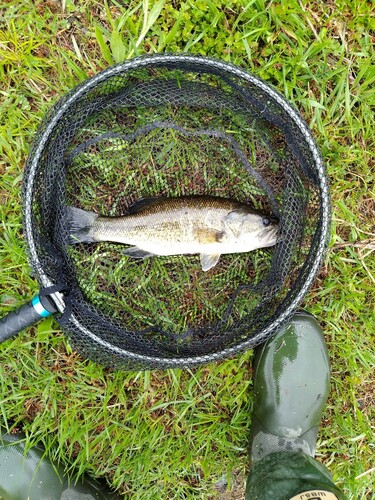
column 196, row 202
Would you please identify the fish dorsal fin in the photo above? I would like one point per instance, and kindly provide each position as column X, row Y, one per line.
column 144, row 203
column 209, row 260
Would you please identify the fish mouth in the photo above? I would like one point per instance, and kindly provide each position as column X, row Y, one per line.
column 270, row 236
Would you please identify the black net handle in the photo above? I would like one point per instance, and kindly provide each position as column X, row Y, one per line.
column 39, row 307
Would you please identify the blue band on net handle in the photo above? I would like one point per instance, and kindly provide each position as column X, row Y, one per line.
column 39, row 308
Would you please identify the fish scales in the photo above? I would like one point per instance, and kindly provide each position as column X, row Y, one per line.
column 167, row 220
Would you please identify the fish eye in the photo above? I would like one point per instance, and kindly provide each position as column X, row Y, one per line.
column 266, row 221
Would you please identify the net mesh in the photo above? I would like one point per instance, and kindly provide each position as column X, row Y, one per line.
column 172, row 126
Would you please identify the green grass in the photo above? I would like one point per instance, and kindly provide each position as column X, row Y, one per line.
column 175, row 434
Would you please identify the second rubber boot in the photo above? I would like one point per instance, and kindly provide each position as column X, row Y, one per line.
column 32, row 476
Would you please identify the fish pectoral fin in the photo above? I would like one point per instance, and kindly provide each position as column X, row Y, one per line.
column 207, row 235
column 137, row 253
column 209, row 260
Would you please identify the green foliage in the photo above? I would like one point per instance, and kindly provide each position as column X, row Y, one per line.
column 176, row 434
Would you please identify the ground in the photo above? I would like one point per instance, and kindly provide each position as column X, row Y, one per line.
column 183, row 434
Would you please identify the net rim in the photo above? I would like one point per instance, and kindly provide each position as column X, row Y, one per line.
column 228, row 68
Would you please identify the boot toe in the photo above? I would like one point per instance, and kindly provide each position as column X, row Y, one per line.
column 291, row 384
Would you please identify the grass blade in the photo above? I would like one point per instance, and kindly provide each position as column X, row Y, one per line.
column 117, row 46
column 149, row 19
column 103, row 45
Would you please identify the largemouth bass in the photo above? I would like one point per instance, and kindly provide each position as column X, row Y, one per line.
column 205, row 225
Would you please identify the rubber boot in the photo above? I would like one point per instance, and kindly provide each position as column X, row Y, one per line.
column 33, row 477
column 291, row 386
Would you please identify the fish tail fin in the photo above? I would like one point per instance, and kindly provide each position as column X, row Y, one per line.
column 80, row 223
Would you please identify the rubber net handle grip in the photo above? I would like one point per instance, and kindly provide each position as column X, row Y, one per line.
column 28, row 314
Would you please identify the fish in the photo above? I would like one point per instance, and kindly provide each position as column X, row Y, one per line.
column 206, row 225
